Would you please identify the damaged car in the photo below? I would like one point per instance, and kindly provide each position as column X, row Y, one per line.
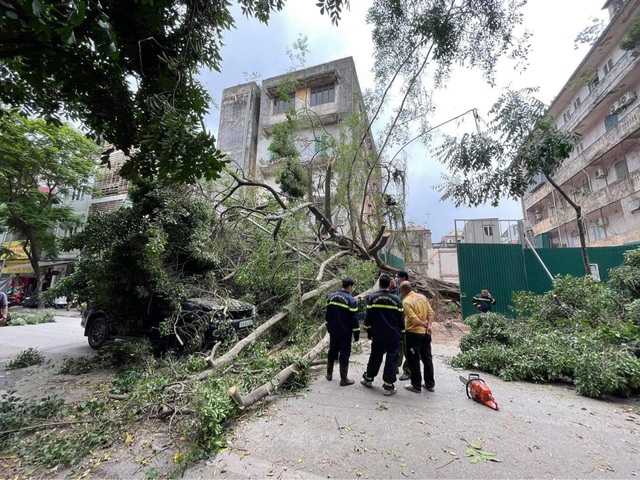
column 204, row 320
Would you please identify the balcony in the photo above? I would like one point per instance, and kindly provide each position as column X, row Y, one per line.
column 622, row 130
column 592, row 202
column 602, row 145
column 626, row 64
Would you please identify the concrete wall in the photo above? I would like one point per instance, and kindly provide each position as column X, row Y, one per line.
column 442, row 263
column 238, row 128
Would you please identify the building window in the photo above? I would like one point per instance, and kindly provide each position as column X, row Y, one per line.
column 566, row 116
column 621, row 168
column 608, row 66
column 610, row 121
column 598, row 232
column 281, row 105
column 488, row 230
column 576, row 103
column 322, row 94
column 593, row 83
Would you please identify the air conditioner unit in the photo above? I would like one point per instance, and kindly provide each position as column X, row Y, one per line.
column 634, row 206
column 627, row 99
column 537, row 216
column 600, row 172
column 615, row 108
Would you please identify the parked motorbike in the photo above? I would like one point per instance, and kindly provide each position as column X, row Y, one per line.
column 16, row 299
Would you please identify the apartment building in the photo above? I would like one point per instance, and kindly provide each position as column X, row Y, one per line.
column 109, row 188
column 599, row 101
column 322, row 96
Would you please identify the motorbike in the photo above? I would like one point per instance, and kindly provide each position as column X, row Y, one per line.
column 16, row 299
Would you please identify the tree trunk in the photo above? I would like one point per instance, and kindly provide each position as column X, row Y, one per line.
column 578, row 210
column 269, row 387
column 583, row 241
column 327, row 191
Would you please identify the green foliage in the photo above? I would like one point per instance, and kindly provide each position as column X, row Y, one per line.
column 625, row 279
column 214, row 407
column 23, row 318
column 282, row 139
column 576, row 332
column 519, row 144
column 417, row 42
column 144, row 257
column 130, row 354
column 131, row 78
column 40, row 164
column 26, row 358
column 632, row 38
column 77, row 365
column 16, row 413
column 590, row 33
column 67, row 446
column 292, row 178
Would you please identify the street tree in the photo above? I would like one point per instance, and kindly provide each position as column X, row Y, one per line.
column 520, row 143
column 40, row 163
column 126, row 69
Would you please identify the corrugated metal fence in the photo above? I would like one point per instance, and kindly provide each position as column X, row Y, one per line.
column 507, row 268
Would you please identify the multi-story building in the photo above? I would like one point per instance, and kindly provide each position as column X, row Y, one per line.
column 599, row 101
column 107, row 193
column 109, row 188
column 321, row 96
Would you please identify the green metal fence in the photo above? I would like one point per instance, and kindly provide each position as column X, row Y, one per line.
column 507, row 268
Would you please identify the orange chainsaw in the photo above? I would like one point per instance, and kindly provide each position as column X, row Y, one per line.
column 479, row 391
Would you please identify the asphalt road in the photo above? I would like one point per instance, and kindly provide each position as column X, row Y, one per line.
column 64, row 338
column 541, row 431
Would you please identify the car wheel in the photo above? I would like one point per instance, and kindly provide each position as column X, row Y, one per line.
column 98, row 333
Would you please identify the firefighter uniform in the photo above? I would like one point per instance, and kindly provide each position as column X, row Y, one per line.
column 384, row 325
column 482, row 303
column 342, row 323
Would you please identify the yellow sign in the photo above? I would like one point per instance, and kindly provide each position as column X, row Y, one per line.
column 16, row 261
column 21, row 268
column 16, row 250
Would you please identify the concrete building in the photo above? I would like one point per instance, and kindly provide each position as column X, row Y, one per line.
column 599, row 101
column 320, row 97
column 109, row 188
column 481, row 230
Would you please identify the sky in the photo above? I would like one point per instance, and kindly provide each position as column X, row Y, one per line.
column 255, row 49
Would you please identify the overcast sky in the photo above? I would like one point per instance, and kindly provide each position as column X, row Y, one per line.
column 554, row 24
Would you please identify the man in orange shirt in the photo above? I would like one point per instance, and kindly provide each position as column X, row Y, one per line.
column 418, row 317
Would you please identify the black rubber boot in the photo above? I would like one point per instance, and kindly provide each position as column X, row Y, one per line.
column 344, row 380
column 329, row 370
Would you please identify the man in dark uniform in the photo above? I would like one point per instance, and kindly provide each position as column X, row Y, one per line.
column 342, row 323
column 483, row 301
column 384, row 324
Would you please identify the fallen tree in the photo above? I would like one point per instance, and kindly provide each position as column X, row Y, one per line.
column 231, row 354
column 272, row 385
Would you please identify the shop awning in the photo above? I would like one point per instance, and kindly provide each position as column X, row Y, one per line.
column 26, row 267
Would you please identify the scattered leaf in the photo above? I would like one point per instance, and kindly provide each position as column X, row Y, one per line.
column 178, row 457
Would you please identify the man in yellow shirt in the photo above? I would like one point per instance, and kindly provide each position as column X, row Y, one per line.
column 418, row 317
